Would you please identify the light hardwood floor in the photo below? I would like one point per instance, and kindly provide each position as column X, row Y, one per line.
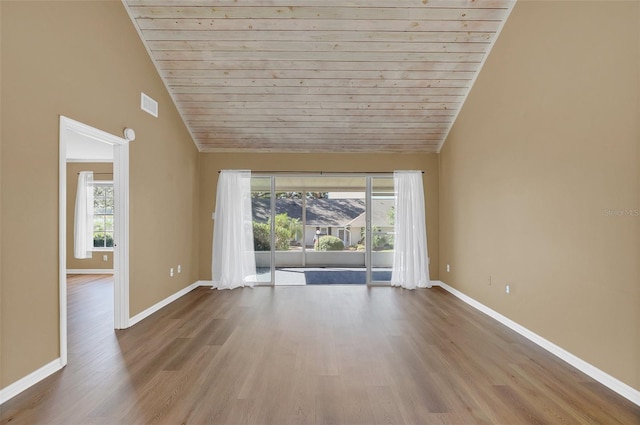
column 307, row 355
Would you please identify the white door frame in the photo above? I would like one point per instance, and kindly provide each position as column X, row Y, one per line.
column 121, row 223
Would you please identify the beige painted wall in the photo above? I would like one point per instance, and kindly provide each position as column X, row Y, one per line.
column 83, row 60
column 542, row 158
column 1, row 185
column 211, row 163
column 96, row 261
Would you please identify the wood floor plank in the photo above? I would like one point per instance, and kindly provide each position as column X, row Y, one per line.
column 301, row 410
column 307, row 355
column 384, row 405
column 357, row 406
column 329, row 406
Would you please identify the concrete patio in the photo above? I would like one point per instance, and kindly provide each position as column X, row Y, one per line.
column 294, row 276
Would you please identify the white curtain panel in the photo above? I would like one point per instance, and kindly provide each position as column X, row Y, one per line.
column 410, row 256
column 83, row 223
column 233, row 262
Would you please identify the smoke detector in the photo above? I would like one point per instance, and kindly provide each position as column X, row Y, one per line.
column 129, row 134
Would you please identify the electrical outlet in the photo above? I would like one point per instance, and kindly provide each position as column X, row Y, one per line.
column 507, row 289
column 448, row 268
column 105, row 258
column 171, row 272
column 179, row 268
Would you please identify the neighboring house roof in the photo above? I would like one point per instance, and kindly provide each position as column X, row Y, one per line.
column 325, row 212
column 380, row 214
column 320, row 212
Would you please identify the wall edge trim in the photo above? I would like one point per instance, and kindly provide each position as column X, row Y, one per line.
column 476, row 74
column 158, row 73
column 602, row 377
column 30, row 380
column 157, row 306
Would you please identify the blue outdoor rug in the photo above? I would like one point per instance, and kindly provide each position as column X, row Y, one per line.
column 322, row 276
column 343, row 277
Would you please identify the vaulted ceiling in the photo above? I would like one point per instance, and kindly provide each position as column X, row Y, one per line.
column 319, row 75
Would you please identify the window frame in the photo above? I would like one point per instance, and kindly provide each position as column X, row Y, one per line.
column 107, row 183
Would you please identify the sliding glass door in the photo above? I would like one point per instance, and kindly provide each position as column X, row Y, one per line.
column 261, row 199
column 323, row 229
column 289, row 233
column 382, row 209
column 334, row 207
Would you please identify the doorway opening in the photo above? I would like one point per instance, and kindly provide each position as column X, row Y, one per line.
column 327, row 229
column 84, row 147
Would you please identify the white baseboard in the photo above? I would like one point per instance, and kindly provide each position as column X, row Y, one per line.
column 89, row 271
column 205, row 283
column 148, row 312
column 604, row 378
column 33, row 378
column 50, row 368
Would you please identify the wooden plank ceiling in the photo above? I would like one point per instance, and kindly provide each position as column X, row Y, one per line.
column 318, row 75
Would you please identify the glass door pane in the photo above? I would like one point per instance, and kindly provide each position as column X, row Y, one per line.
column 382, row 209
column 261, row 215
column 335, row 220
column 289, row 233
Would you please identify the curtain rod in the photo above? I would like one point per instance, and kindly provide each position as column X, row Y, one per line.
column 323, row 172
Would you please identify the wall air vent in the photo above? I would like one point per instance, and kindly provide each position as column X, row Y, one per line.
column 148, row 105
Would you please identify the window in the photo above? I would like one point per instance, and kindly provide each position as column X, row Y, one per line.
column 102, row 215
